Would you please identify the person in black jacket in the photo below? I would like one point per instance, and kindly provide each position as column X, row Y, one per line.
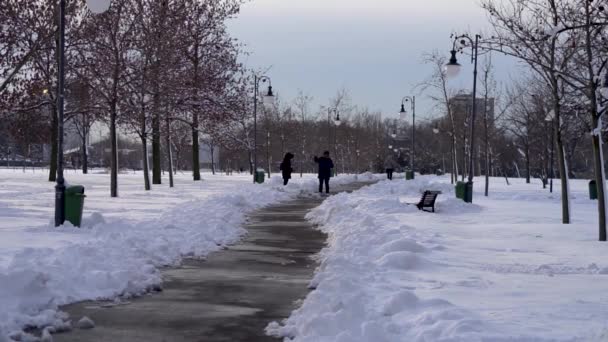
column 325, row 167
column 286, row 168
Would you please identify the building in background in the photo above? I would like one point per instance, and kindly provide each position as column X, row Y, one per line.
column 462, row 108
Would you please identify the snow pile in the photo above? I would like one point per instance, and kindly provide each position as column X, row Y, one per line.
column 115, row 257
column 496, row 270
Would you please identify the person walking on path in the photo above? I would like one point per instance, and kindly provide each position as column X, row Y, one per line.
column 286, row 168
column 325, row 167
column 390, row 165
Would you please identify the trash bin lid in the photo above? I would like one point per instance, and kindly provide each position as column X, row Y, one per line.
column 75, row 190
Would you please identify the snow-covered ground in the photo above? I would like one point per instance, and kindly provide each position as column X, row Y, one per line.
column 123, row 241
column 501, row 269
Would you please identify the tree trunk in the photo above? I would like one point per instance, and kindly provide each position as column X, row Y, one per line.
column 527, row 164
column 54, row 146
column 114, row 158
column 454, row 157
column 488, row 167
column 464, row 157
column 563, row 172
column 85, row 151
column 487, row 150
column 169, row 154
column 156, row 152
column 598, row 153
column 598, row 166
column 196, row 161
column 146, row 165
column 561, row 158
column 212, row 152
column 251, row 166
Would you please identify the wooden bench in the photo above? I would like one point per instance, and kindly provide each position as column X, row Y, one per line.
column 428, row 200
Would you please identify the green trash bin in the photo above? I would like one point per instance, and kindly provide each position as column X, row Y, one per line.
column 409, row 175
column 74, row 204
column 460, row 190
column 593, row 190
column 260, row 175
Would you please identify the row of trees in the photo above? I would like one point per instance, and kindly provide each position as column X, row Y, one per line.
column 167, row 73
column 559, row 102
column 563, row 42
column 145, row 68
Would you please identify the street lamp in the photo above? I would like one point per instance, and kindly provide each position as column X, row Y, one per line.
column 337, row 122
column 96, row 7
column 268, row 100
column 403, row 114
column 452, row 70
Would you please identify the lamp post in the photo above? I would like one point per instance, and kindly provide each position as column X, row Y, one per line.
column 337, row 122
column 268, row 152
column 268, row 100
column 549, row 118
column 452, row 70
column 96, row 7
column 336, row 119
column 402, row 114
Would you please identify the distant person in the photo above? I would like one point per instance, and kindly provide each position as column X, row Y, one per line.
column 390, row 164
column 286, row 168
column 325, row 167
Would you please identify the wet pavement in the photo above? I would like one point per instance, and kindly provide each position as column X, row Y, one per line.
column 230, row 296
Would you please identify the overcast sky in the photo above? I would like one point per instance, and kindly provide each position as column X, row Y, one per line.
column 373, row 48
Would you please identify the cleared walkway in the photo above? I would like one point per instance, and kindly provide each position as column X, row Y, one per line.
column 230, row 296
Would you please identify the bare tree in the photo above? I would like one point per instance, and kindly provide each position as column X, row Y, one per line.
column 520, row 29
column 441, row 94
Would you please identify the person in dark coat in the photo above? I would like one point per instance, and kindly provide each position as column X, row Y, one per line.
column 286, row 168
column 390, row 165
column 325, row 167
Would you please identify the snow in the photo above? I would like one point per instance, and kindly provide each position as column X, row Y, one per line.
column 501, row 269
column 123, row 241
column 85, row 323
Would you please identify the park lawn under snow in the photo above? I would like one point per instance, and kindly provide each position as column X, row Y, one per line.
column 123, row 242
column 501, row 269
